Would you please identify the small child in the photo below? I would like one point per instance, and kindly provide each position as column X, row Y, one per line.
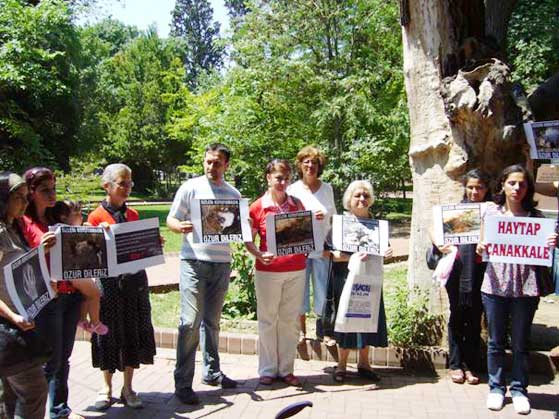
column 70, row 213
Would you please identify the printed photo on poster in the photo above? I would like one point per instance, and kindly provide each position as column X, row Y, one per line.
column 458, row 223
column 220, row 221
column 84, row 252
column 137, row 245
column 292, row 233
column 547, row 173
column 519, row 240
column 28, row 283
column 353, row 234
column 543, row 138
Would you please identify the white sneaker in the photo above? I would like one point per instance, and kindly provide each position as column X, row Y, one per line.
column 521, row 404
column 495, row 401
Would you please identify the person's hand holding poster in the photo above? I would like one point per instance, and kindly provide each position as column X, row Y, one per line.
column 543, row 138
column 292, row 233
column 220, row 221
column 457, row 223
column 353, row 234
column 28, row 283
column 519, row 240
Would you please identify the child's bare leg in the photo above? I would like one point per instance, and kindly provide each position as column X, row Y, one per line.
column 92, row 296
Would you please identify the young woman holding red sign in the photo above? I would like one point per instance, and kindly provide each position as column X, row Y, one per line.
column 511, row 291
column 464, row 295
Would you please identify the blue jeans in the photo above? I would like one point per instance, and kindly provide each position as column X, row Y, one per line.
column 203, row 286
column 521, row 312
column 318, row 268
column 57, row 323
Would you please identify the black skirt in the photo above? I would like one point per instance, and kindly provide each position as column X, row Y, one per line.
column 126, row 310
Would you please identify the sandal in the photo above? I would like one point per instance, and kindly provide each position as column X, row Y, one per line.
column 266, row 380
column 457, row 376
column 291, row 380
column 103, row 400
column 471, row 378
column 368, row 374
column 99, row 328
column 338, row 375
column 84, row 324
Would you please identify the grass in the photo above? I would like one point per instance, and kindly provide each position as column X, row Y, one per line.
column 165, row 308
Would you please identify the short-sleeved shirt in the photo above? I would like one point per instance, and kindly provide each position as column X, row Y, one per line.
column 258, row 211
column 201, row 188
column 508, row 279
column 323, row 200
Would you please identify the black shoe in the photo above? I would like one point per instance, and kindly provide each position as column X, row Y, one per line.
column 368, row 374
column 222, row 380
column 187, row 396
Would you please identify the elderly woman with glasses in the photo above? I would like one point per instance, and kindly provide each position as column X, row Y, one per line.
column 57, row 321
column 358, row 199
column 125, row 306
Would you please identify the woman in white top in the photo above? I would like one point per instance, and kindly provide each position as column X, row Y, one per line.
column 318, row 197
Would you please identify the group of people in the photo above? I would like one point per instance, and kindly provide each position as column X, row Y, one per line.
column 117, row 310
column 507, row 293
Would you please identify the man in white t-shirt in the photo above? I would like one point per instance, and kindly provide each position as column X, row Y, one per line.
column 205, row 271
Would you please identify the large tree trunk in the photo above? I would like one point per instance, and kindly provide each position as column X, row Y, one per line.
column 462, row 112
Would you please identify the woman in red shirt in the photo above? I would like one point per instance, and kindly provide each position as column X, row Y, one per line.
column 58, row 320
column 279, row 282
column 125, row 306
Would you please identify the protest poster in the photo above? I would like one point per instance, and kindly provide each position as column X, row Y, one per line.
column 548, row 173
column 519, row 240
column 28, row 283
column 137, row 245
column 359, row 306
column 543, row 138
column 220, row 221
column 80, row 252
column 353, row 234
column 457, row 223
column 95, row 252
column 292, row 233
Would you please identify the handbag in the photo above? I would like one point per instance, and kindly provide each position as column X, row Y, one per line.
column 545, row 281
column 20, row 350
column 432, row 257
column 329, row 311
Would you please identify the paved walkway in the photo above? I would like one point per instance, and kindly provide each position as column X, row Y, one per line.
column 398, row 395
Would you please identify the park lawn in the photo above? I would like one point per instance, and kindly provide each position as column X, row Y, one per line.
column 165, row 307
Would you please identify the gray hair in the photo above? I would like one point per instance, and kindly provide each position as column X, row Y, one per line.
column 113, row 170
column 357, row 184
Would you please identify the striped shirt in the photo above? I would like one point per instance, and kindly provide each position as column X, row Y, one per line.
column 201, row 188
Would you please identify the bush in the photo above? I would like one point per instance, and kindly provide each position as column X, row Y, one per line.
column 410, row 324
column 240, row 301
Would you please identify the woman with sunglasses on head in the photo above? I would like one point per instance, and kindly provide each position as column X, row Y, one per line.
column 25, row 389
column 464, row 294
column 510, row 292
column 125, row 306
column 57, row 321
column 357, row 200
column 318, row 196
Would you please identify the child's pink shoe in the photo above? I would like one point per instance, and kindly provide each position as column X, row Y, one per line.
column 85, row 325
column 99, row 328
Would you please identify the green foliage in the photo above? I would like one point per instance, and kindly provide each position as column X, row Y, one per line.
column 192, row 22
column 410, row 324
column 533, row 41
column 39, row 51
column 240, row 301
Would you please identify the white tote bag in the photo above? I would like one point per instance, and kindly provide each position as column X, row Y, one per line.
column 359, row 306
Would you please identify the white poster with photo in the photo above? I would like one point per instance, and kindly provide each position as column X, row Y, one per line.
column 457, row 223
column 519, row 240
column 543, row 138
column 95, row 252
column 353, row 234
column 220, row 221
column 293, row 233
column 28, row 283
column 359, row 306
column 137, row 245
column 79, row 253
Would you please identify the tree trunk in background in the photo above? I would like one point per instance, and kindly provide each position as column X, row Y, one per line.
column 462, row 111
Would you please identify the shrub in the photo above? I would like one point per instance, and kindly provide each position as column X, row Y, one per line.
column 240, row 301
